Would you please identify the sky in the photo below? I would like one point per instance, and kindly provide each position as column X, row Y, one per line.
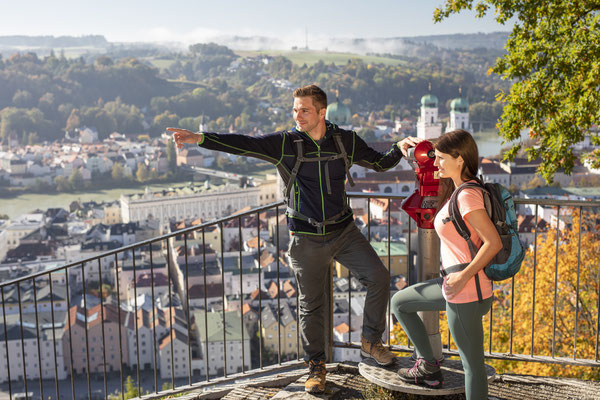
column 188, row 21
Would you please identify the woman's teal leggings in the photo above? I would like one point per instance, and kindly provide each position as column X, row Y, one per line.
column 464, row 321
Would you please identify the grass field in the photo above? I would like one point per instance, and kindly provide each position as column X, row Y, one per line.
column 301, row 57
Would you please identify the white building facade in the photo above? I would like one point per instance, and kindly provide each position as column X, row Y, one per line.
column 185, row 203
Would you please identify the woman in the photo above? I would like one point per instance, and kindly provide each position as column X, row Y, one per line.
column 457, row 158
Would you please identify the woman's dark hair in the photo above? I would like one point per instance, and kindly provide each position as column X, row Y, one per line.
column 457, row 143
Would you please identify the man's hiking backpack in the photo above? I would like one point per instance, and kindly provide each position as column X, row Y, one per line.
column 500, row 207
column 290, row 201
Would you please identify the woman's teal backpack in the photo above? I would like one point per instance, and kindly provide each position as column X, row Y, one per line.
column 500, row 207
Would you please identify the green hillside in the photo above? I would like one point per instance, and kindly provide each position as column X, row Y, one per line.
column 310, row 57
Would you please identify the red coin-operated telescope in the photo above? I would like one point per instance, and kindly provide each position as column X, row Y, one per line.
column 422, row 204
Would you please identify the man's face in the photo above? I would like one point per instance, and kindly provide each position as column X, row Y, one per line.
column 306, row 115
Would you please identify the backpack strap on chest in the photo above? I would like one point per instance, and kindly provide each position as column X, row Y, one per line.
column 337, row 139
column 454, row 211
column 299, row 158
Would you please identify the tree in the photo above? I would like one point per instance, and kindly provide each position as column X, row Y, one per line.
column 47, row 102
column 128, row 117
column 21, row 121
column 164, row 120
column 553, row 58
column 570, row 259
column 535, row 182
column 484, row 115
column 118, row 172
column 171, row 155
column 142, row 172
column 33, row 138
column 74, row 121
column 100, row 119
column 63, row 184
column 131, row 390
column 65, row 110
column 104, row 61
column 23, row 98
column 40, row 186
column 76, row 179
column 159, row 104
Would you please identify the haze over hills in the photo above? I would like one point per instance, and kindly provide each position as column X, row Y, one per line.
column 409, row 46
column 53, row 41
column 143, row 87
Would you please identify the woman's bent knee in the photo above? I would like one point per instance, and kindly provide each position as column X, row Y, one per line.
column 398, row 299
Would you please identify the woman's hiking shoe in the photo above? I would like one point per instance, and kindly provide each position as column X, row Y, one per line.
column 423, row 373
column 414, row 357
column 377, row 351
column 316, row 377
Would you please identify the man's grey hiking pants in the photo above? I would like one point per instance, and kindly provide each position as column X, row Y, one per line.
column 311, row 257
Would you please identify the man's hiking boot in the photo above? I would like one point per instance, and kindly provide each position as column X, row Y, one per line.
column 316, row 377
column 423, row 373
column 377, row 351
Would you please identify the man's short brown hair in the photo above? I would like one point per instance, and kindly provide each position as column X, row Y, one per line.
column 317, row 94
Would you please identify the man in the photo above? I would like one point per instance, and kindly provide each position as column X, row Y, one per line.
column 313, row 160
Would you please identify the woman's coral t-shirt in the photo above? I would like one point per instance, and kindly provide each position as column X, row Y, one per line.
column 455, row 250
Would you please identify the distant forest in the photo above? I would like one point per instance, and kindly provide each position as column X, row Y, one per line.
column 42, row 96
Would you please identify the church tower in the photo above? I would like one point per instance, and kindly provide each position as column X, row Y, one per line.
column 459, row 115
column 428, row 125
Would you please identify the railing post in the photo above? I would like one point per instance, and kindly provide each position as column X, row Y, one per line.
column 428, row 261
column 328, row 323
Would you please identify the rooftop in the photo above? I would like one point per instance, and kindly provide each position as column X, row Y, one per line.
column 233, row 326
column 396, row 248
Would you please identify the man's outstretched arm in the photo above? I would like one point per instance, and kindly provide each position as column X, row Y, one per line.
column 268, row 147
column 368, row 157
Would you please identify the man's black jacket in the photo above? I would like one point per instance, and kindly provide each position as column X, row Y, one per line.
column 310, row 191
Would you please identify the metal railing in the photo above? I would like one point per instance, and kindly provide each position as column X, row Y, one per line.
column 189, row 339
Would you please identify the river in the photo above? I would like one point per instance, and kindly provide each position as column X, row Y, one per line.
column 488, row 142
column 26, row 203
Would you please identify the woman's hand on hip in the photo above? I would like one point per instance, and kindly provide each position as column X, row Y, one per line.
column 455, row 282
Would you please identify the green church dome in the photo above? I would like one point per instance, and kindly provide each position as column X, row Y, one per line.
column 429, row 101
column 338, row 113
column 459, row 105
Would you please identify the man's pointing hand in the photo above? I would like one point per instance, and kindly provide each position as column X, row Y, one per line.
column 181, row 136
